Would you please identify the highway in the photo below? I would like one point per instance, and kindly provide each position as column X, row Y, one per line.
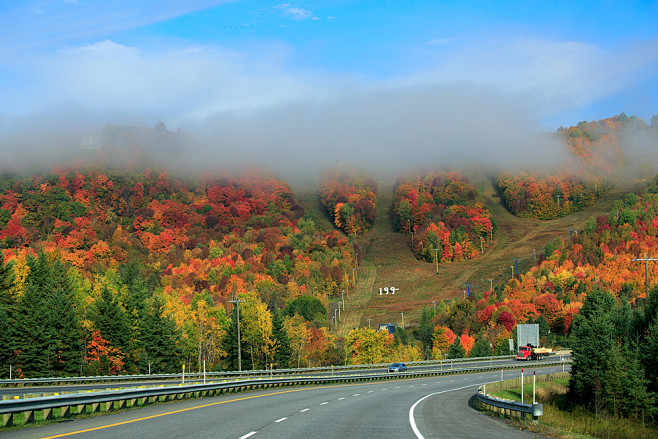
column 433, row 407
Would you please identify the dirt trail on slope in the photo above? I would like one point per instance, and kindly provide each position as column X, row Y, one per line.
column 388, row 262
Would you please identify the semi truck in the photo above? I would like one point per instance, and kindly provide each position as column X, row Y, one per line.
column 528, row 343
column 530, row 352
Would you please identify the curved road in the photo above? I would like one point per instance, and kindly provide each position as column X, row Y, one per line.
column 436, row 407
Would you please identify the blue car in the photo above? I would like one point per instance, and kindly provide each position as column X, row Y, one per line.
column 397, row 367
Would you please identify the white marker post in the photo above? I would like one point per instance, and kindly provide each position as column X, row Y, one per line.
column 204, row 369
column 183, row 373
column 534, row 377
column 521, row 385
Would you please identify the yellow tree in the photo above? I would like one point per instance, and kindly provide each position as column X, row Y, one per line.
column 300, row 337
column 368, row 346
column 256, row 329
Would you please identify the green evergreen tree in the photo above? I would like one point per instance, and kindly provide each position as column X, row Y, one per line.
column 282, row 352
column 62, row 321
column 7, row 300
column 425, row 331
column 6, row 343
column 456, row 350
column 614, row 380
column 7, row 309
column 230, row 345
column 480, row 348
column 33, row 335
column 161, row 340
column 592, row 343
column 639, row 401
column 650, row 355
column 111, row 319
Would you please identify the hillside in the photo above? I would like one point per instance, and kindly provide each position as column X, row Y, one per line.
column 388, row 261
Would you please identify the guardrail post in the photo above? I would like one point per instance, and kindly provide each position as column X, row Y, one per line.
column 47, row 414
column 29, row 416
column 8, row 420
column 65, row 412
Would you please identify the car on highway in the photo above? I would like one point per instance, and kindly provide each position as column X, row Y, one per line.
column 397, row 367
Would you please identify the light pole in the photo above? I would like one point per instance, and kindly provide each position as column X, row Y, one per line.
column 369, row 323
column 490, row 284
column 436, row 259
column 335, row 320
column 237, row 306
column 402, row 314
column 434, row 302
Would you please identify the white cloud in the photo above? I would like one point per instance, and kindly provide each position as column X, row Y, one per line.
column 295, row 13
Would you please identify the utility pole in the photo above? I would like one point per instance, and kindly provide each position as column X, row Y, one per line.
column 369, row 323
column 490, row 284
column 237, row 306
column 646, row 271
column 402, row 314
column 436, row 259
column 434, row 302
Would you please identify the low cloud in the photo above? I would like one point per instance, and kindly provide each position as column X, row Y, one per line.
column 471, row 103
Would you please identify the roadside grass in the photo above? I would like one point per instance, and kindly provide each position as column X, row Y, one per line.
column 564, row 421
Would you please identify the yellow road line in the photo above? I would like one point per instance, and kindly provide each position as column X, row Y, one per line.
column 218, row 403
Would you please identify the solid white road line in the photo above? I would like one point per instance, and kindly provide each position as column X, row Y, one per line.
column 412, row 421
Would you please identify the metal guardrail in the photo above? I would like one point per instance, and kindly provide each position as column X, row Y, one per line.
column 117, row 399
column 198, row 375
column 506, row 407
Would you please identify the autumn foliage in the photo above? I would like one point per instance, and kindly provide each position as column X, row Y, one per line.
column 350, row 200
column 443, row 211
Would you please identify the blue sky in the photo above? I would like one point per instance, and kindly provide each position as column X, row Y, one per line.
column 538, row 63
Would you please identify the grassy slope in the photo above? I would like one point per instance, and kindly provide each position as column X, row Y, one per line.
column 388, row 261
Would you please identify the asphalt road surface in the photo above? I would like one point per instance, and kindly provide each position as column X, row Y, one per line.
column 435, row 407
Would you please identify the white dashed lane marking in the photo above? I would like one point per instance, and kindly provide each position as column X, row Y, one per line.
column 280, row 420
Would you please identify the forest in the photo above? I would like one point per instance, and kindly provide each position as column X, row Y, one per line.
column 115, row 270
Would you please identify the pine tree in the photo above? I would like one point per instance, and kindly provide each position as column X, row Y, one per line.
column 480, row 348
column 230, row 345
column 6, row 343
column 425, row 331
column 66, row 346
column 639, row 401
column 614, row 380
column 592, row 343
column 282, row 352
column 161, row 339
column 111, row 320
column 456, row 350
column 33, row 336
column 7, row 300
column 7, row 309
